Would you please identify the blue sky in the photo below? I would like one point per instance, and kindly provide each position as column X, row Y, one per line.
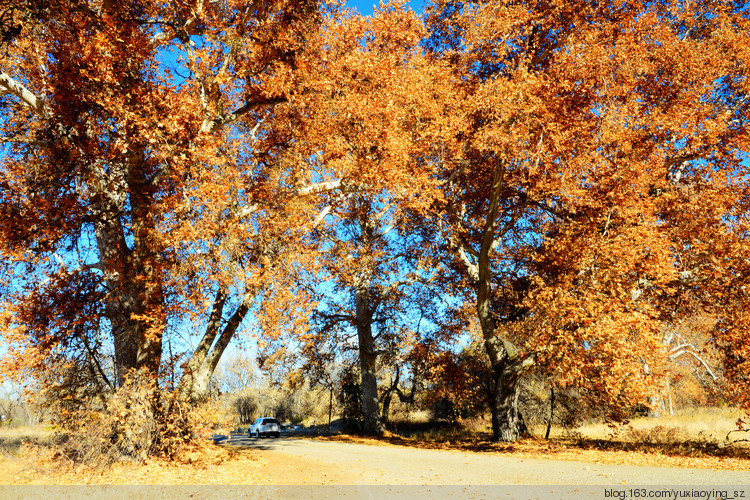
column 365, row 6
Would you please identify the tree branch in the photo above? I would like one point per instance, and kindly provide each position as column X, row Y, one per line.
column 211, row 124
column 29, row 100
column 319, row 187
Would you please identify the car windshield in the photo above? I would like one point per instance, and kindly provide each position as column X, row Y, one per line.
column 270, row 421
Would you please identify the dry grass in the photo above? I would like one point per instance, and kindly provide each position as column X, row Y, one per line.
column 206, row 464
column 697, row 433
column 12, row 439
column 706, row 424
column 688, row 437
column 558, row 450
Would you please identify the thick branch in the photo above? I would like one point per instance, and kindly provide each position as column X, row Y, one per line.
column 319, row 187
column 14, row 87
column 484, row 280
column 200, row 353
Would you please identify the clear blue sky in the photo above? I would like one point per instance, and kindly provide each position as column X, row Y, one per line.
column 365, row 7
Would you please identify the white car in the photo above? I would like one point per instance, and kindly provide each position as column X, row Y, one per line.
column 264, row 426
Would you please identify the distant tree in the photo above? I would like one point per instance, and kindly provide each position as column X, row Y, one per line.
column 236, row 372
column 370, row 123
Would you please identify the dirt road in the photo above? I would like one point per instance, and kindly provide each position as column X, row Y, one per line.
column 309, row 461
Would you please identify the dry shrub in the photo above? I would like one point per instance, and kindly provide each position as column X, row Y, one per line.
column 137, row 421
column 658, row 435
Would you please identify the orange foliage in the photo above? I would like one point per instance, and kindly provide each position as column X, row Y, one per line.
column 599, row 185
column 578, row 169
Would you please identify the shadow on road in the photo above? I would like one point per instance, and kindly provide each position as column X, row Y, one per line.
column 253, row 443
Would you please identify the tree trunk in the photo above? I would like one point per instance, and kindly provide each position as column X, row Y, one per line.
column 507, row 423
column 387, row 398
column 669, row 396
column 551, row 412
column 507, row 369
column 135, row 305
column 368, row 357
column 330, row 407
column 373, row 423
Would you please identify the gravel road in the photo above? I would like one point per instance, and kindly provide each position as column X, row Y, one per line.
column 308, row 461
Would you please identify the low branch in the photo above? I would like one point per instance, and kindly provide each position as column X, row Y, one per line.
column 96, row 361
column 738, row 430
column 677, row 353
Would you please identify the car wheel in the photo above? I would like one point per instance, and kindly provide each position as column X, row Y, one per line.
column 278, row 435
column 257, row 434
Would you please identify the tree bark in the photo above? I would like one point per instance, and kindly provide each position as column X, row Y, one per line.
column 551, row 412
column 330, row 407
column 506, row 422
column 507, row 425
column 135, row 305
column 373, row 423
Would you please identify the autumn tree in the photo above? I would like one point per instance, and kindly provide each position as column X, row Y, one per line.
column 370, row 121
column 599, row 141
column 694, row 362
column 138, row 179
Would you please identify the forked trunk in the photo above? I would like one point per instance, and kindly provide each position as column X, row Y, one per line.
column 196, row 379
column 135, row 304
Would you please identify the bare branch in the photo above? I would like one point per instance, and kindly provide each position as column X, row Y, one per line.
column 471, row 268
column 318, row 187
column 322, row 215
column 679, row 351
column 212, row 124
column 13, row 140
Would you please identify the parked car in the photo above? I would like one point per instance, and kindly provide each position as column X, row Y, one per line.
column 264, row 426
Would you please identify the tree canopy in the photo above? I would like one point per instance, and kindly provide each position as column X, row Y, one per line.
column 576, row 171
